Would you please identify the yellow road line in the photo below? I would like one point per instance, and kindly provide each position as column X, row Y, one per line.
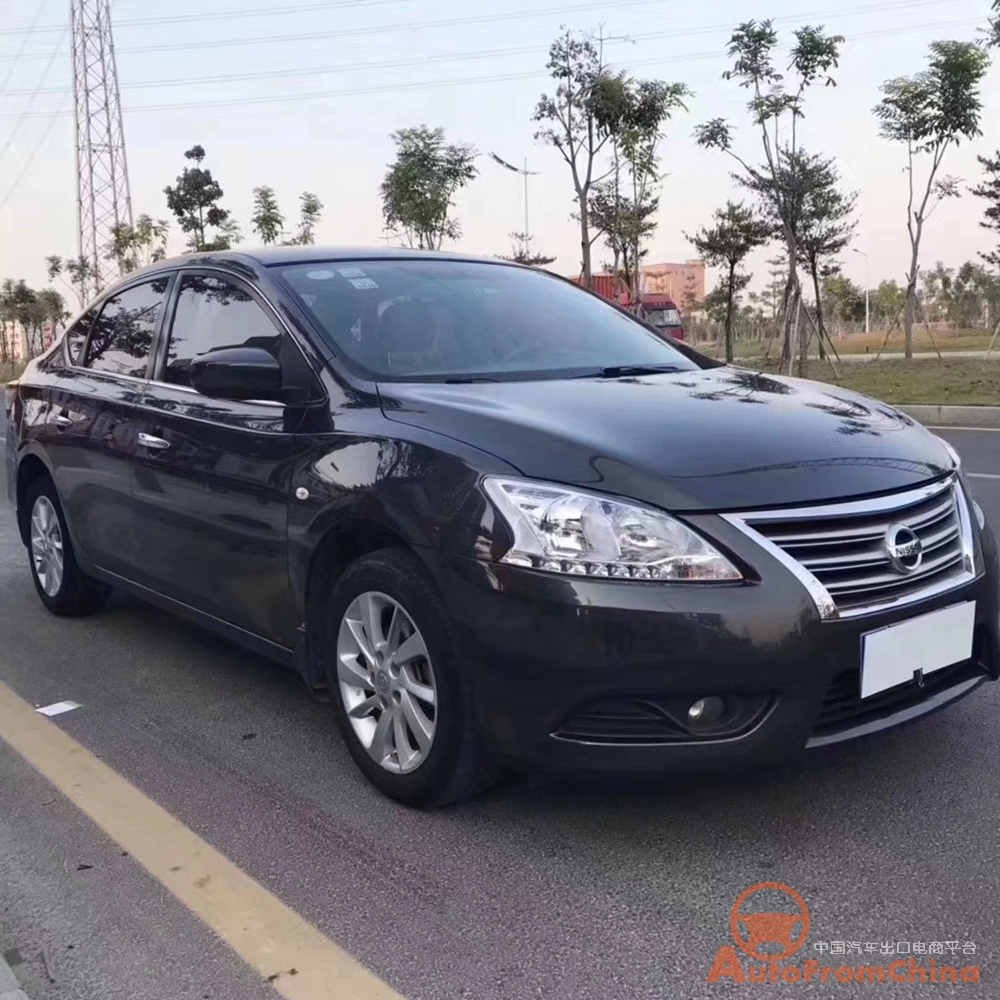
column 299, row 961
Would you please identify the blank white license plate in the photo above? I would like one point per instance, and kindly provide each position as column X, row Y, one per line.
column 931, row 642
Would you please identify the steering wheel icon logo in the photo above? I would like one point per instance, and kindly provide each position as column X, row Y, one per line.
column 779, row 929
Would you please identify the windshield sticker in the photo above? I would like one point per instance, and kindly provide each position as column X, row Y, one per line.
column 350, row 272
column 363, row 283
column 320, row 275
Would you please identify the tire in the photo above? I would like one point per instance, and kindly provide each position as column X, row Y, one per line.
column 453, row 765
column 63, row 589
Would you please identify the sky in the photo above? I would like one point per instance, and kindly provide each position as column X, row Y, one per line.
column 304, row 96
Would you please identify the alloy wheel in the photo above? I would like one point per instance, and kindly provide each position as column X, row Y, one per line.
column 47, row 546
column 386, row 682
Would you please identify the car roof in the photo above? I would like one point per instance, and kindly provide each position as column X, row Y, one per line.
column 276, row 256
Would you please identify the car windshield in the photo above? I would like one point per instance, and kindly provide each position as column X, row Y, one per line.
column 663, row 317
column 438, row 319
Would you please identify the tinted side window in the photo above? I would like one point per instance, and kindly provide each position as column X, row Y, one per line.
column 122, row 335
column 76, row 337
column 213, row 313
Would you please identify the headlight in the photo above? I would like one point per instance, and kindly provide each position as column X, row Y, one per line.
column 955, row 457
column 560, row 530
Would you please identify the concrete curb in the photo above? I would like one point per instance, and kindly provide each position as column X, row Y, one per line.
column 954, row 416
column 9, row 990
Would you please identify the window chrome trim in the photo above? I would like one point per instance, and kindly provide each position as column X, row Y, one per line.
column 194, row 392
column 825, row 604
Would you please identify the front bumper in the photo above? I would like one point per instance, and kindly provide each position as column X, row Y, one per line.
column 546, row 648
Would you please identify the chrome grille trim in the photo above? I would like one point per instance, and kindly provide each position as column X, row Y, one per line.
column 863, row 579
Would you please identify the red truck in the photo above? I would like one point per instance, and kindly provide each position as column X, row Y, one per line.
column 658, row 310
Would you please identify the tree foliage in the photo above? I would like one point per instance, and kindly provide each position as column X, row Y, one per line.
column 775, row 106
column 569, row 120
column 993, row 29
column 23, row 307
column 989, row 189
column 195, row 201
column 624, row 207
column 521, row 252
column 77, row 273
column 134, row 246
column 929, row 113
column 267, row 221
column 310, row 212
column 420, row 186
column 737, row 232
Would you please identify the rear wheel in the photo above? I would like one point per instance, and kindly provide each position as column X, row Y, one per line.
column 64, row 590
column 401, row 693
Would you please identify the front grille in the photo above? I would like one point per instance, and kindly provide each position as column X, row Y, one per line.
column 843, row 548
column 843, row 708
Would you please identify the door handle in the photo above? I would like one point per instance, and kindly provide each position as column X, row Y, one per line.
column 153, row 443
column 62, row 421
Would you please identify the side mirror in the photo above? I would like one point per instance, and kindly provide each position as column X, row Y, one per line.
column 237, row 373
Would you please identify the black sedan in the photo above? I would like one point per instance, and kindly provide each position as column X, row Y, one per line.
column 499, row 520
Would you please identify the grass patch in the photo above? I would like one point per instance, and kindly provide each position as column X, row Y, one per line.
column 869, row 343
column 10, row 370
column 954, row 381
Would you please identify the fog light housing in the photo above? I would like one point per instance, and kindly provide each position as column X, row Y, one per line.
column 706, row 711
column 980, row 516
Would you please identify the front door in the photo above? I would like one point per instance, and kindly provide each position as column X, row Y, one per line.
column 91, row 427
column 211, row 476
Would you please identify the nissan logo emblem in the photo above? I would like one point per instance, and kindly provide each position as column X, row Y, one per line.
column 904, row 548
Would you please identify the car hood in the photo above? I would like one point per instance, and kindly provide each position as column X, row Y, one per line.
column 717, row 439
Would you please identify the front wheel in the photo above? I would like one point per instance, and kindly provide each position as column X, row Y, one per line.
column 64, row 590
column 402, row 696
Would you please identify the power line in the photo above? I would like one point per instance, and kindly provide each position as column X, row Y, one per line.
column 34, row 94
column 26, row 166
column 20, row 51
column 297, row 71
column 220, row 16
column 471, row 81
column 383, row 28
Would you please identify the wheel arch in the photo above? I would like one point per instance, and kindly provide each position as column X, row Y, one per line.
column 341, row 545
column 30, row 470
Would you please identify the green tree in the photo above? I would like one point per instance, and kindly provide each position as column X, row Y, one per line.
column 310, row 212
column 521, row 252
column 993, row 30
column 737, row 232
column 420, row 186
column 195, row 201
column 929, row 113
column 845, row 301
column 886, row 301
column 134, row 246
column 624, row 206
column 625, row 226
column 53, row 308
column 826, row 227
column 78, row 274
column 989, row 189
column 570, row 120
column 267, row 221
column 777, row 103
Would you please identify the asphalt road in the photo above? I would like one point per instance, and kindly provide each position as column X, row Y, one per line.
column 537, row 890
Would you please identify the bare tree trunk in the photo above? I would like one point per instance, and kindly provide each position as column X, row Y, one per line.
column 729, row 315
column 793, row 328
column 911, row 299
column 585, row 261
column 820, row 328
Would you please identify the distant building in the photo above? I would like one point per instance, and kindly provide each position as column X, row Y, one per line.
column 684, row 283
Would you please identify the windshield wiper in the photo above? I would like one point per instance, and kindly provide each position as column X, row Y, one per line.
column 619, row 371
column 467, row 380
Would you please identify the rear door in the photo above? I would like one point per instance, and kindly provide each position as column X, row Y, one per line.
column 211, row 478
column 91, row 428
